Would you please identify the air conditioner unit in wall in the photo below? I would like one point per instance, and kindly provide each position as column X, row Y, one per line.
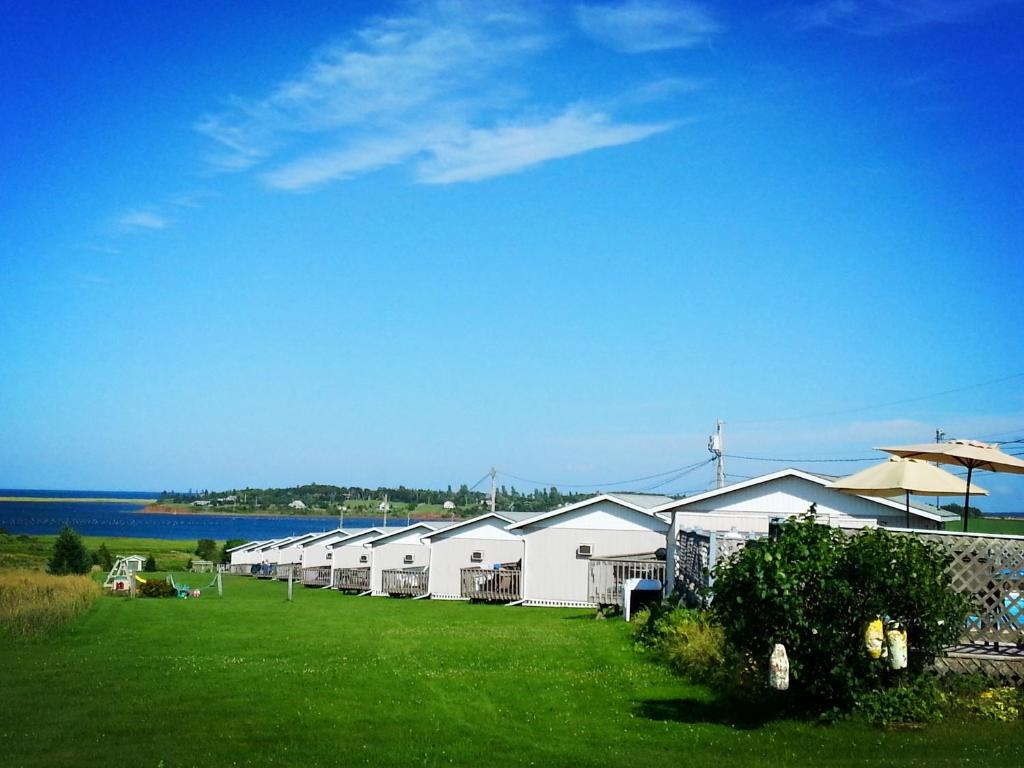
column 584, row 550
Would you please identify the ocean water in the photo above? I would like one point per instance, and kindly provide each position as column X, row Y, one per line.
column 123, row 518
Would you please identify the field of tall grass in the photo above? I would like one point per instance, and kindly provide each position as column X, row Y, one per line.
column 35, row 603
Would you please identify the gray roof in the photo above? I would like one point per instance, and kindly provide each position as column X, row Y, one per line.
column 645, row 500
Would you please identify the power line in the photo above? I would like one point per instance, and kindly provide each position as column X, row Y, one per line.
column 796, row 461
column 904, row 401
column 602, row 484
column 681, row 474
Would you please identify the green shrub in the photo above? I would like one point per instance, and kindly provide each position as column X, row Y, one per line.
column 69, row 554
column 919, row 700
column 684, row 639
column 1005, row 704
column 156, row 588
column 813, row 588
column 150, row 565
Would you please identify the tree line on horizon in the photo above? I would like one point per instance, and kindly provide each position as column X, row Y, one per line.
column 330, row 497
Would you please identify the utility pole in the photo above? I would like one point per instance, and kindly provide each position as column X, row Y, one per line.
column 494, row 473
column 939, row 435
column 716, row 447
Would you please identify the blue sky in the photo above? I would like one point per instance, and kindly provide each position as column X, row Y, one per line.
column 371, row 243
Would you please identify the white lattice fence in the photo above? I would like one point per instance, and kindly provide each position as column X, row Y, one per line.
column 990, row 571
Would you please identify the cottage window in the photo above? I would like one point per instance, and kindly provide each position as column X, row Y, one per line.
column 584, row 550
column 476, row 557
column 407, row 559
column 330, row 555
column 363, row 558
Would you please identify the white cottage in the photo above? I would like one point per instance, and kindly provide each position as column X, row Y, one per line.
column 350, row 560
column 400, row 560
column 245, row 556
column 748, row 506
column 317, row 554
column 559, row 546
column 289, row 556
column 474, row 549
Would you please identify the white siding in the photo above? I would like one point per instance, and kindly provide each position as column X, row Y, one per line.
column 754, row 505
column 554, row 573
column 315, row 555
column 450, row 553
column 391, row 554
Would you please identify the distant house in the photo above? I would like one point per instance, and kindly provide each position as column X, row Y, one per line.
column 134, row 563
column 201, row 503
column 297, row 504
column 559, row 546
column 748, row 506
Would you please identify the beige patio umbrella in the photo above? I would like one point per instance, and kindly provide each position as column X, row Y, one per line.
column 902, row 477
column 972, row 454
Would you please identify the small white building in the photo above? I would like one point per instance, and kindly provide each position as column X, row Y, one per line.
column 318, row 551
column 245, row 555
column 480, row 543
column 748, row 506
column 558, row 546
column 350, row 560
column 289, row 556
column 133, row 563
column 400, row 549
column 297, row 504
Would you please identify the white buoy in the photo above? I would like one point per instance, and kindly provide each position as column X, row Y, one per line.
column 896, row 642
column 778, row 668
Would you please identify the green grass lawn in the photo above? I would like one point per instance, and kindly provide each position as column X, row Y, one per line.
column 991, row 525
column 21, row 551
column 332, row 680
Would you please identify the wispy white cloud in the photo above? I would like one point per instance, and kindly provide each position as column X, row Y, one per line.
column 512, row 147
column 642, row 26
column 883, row 17
column 136, row 220
column 444, row 88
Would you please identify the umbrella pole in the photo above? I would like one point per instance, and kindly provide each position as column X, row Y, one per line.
column 908, row 509
column 967, row 496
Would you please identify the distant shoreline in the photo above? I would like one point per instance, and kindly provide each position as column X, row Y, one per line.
column 165, row 509
column 74, row 499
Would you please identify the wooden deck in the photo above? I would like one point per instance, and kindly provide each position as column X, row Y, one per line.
column 608, row 574
column 318, row 576
column 410, row 582
column 351, row 579
column 267, row 571
column 283, row 569
column 492, row 585
column 240, row 569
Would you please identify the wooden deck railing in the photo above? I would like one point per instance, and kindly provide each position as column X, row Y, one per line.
column 240, row 569
column 351, row 579
column 404, row 581
column 496, row 585
column 284, row 568
column 607, row 576
column 316, row 576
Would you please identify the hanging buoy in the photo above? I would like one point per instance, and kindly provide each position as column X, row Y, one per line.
column 873, row 639
column 778, row 668
column 896, row 643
